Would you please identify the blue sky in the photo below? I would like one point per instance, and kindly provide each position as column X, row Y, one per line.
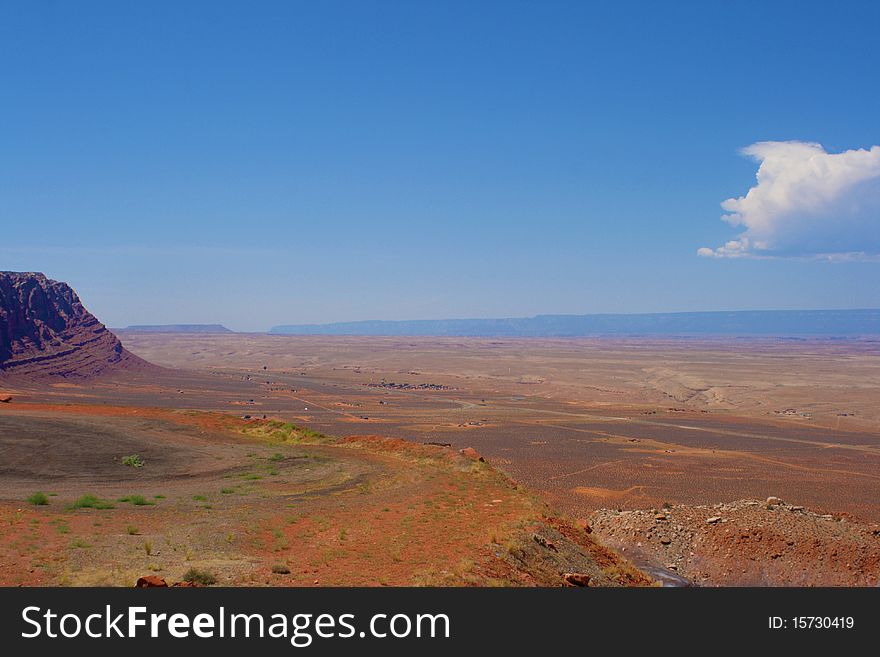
column 264, row 163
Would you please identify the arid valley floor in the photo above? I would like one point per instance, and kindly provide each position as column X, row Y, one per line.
column 669, row 449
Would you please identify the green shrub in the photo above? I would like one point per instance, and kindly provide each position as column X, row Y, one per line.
column 277, row 456
column 197, row 576
column 90, row 502
column 38, row 499
column 133, row 461
column 137, row 500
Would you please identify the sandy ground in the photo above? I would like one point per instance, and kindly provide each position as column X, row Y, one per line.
column 590, row 424
column 586, row 421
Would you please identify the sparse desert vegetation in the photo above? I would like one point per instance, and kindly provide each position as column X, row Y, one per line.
column 199, row 576
column 133, row 461
column 38, row 499
column 90, row 502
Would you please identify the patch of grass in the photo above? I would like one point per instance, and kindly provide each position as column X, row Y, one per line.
column 159, row 497
column 38, row 499
column 199, row 498
column 148, row 548
column 227, row 491
column 131, row 530
column 133, row 461
column 199, row 576
column 280, row 569
column 90, row 502
column 277, row 432
column 137, row 500
column 277, row 456
column 79, row 544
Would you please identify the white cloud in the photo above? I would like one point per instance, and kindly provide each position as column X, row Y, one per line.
column 807, row 203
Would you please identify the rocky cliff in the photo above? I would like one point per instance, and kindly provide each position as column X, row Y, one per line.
column 46, row 331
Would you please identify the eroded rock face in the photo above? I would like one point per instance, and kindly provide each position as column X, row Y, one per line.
column 46, row 331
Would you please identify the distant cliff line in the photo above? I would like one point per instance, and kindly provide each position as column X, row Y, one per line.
column 770, row 323
column 177, row 328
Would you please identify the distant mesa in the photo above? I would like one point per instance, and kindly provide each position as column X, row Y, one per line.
column 178, row 328
column 770, row 323
column 46, row 332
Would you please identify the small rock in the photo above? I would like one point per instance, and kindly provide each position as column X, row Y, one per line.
column 150, row 581
column 575, row 579
column 774, row 501
column 660, row 516
column 713, row 520
column 543, row 542
column 665, row 540
column 583, row 524
column 5, row 399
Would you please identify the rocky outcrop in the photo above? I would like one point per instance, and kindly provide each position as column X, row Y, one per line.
column 471, row 453
column 746, row 543
column 46, row 331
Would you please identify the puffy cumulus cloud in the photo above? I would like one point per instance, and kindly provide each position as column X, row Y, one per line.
column 807, row 203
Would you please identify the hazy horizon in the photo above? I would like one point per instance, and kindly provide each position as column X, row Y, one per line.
column 818, row 322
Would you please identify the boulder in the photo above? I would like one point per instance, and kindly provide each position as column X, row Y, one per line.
column 5, row 399
column 575, row 579
column 773, row 501
column 150, row 581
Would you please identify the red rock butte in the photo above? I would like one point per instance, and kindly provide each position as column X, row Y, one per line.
column 46, row 332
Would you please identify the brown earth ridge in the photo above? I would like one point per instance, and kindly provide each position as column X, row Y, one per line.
column 46, row 331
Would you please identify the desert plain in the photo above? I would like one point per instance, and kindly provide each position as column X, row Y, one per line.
column 700, row 460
